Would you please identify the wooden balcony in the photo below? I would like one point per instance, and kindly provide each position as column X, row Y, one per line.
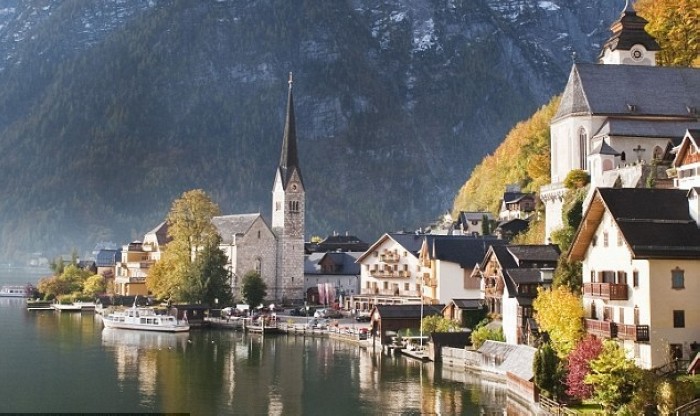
column 637, row 333
column 609, row 291
column 601, row 329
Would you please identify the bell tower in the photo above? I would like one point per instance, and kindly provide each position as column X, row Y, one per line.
column 288, row 210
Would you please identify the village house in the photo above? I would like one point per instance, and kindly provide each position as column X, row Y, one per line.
column 447, row 264
column 685, row 169
column 640, row 250
column 332, row 277
column 390, row 272
column 473, row 223
column 510, row 276
column 619, row 118
column 337, row 242
column 516, row 204
column 136, row 258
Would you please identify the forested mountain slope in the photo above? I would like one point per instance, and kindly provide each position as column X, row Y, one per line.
column 109, row 110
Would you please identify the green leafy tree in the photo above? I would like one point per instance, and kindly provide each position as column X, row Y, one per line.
column 253, row 289
column 437, row 323
column 568, row 274
column 576, row 179
column 547, row 369
column 483, row 332
column 209, row 280
column 94, row 286
column 613, row 376
column 559, row 313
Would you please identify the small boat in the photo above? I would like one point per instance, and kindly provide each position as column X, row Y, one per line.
column 144, row 319
column 74, row 307
column 16, row 291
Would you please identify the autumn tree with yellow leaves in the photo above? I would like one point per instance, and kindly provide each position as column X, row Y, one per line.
column 559, row 313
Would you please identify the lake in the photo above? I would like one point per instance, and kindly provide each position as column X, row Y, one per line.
column 66, row 362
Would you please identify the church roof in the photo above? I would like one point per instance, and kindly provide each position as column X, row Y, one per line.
column 230, row 225
column 631, row 91
column 289, row 159
column 628, row 31
column 671, row 129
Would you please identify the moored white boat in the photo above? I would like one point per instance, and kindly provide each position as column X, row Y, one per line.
column 144, row 319
column 74, row 307
column 16, row 291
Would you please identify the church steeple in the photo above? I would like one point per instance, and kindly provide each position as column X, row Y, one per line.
column 629, row 44
column 289, row 160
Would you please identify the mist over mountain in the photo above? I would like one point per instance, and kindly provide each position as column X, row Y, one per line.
column 110, row 109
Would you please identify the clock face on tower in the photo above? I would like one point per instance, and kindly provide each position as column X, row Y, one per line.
column 294, row 187
column 637, row 53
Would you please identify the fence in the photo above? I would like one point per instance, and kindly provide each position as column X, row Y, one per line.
column 550, row 407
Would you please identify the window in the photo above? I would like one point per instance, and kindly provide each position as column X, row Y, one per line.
column 406, row 287
column 294, row 206
column 605, row 239
column 619, row 238
column 679, row 319
column 386, row 285
column 635, row 278
column 594, row 241
column 582, row 147
column 677, row 278
column 593, row 277
column 278, row 206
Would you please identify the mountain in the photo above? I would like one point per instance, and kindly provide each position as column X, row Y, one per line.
column 110, row 109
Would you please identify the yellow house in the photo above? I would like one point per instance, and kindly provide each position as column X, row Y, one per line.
column 640, row 250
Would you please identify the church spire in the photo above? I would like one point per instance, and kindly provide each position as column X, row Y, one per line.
column 289, row 160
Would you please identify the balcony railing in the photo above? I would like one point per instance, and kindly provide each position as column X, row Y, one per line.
column 609, row 291
column 633, row 332
column 603, row 329
column 390, row 257
column 609, row 329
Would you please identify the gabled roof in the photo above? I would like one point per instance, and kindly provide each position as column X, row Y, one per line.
column 311, row 265
column 230, row 225
column 689, row 143
column 655, row 223
column 467, row 303
column 604, row 148
column 534, row 252
column 409, row 241
column 107, row 258
column 338, row 243
column 466, row 251
column 596, row 89
column 345, row 260
column 514, row 226
column 513, row 197
column 523, row 276
column 412, row 311
column 467, row 216
column 161, row 233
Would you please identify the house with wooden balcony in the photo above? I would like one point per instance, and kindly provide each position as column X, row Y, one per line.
column 510, row 276
column 390, row 272
column 448, row 263
column 640, row 250
column 685, row 169
column 136, row 258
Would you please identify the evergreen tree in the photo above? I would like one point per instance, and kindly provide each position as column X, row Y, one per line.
column 546, row 368
column 254, row 289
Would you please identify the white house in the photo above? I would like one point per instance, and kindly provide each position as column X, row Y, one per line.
column 686, row 165
column 640, row 250
column 448, row 263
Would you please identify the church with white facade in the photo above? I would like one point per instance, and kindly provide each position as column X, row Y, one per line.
column 620, row 119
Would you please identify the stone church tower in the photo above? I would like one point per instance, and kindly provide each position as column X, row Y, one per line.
column 288, row 209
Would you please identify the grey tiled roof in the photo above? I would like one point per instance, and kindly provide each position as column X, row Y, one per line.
column 466, row 251
column 654, row 222
column 468, row 303
column 672, row 129
column 599, row 89
column 161, row 233
column 408, row 311
column 604, row 149
column 516, row 359
column 107, row 258
column 228, row 225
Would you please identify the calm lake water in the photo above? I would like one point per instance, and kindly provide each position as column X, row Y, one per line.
column 66, row 362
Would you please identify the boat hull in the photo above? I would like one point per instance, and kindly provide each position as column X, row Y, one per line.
column 141, row 327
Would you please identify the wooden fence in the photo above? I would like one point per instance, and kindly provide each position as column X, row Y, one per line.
column 550, row 407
